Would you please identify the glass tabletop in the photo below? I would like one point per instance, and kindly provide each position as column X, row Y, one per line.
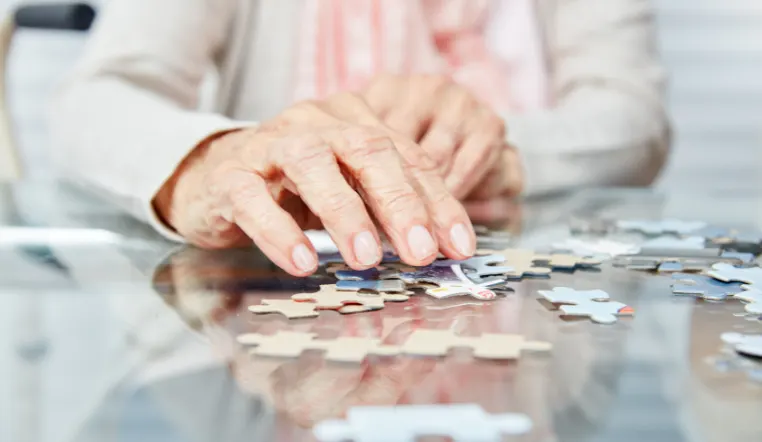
column 109, row 333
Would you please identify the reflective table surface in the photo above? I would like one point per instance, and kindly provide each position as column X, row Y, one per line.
column 108, row 333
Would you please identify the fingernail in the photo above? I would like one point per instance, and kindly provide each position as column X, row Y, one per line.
column 303, row 258
column 367, row 250
column 461, row 239
column 420, row 242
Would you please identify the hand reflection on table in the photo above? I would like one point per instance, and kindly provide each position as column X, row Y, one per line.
column 211, row 290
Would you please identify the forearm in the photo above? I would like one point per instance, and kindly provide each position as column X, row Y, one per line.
column 596, row 137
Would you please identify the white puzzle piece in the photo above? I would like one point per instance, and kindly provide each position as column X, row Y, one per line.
column 753, row 299
column 593, row 248
column 749, row 345
column 669, row 242
column 408, row 423
column 726, row 272
column 594, row 304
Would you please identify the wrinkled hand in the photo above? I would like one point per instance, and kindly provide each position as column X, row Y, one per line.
column 465, row 138
column 331, row 164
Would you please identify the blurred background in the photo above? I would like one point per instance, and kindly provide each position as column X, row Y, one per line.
column 712, row 50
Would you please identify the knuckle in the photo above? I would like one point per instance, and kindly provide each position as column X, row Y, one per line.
column 421, row 162
column 305, row 150
column 400, row 199
column 339, row 203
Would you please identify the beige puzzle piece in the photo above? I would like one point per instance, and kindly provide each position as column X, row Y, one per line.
column 288, row 344
column 523, row 261
column 330, row 298
column 286, row 307
column 487, row 346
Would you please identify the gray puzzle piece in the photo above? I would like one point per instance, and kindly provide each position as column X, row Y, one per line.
column 478, row 266
column 381, row 286
column 661, row 227
column 704, row 286
column 565, row 295
column 725, row 272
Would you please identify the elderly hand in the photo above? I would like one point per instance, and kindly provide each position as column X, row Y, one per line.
column 330, row 164
column 464, row 137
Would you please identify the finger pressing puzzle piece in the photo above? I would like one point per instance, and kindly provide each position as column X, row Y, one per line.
column 286, row 307
column 488, row 346
column 291, row 345
column 408, row 423
column 704, row 287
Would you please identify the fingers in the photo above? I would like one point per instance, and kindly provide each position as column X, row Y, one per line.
column 372, row 159
column 249, row 204
column 454, row 107
column 450, row 222
column 308, row 161
column 478, row 154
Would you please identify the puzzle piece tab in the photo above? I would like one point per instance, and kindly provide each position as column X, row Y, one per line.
column 725, row 272
column 704, row 287
column 291, row 345
column 408, row 423
column 753, row 299
column 594, row 304
column 331, row 298
column 489, row 345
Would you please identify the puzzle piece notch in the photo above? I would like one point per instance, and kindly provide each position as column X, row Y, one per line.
column 704, row 287
column 331, row 298
column 595, row 304
column 292, row 344
column 753, row 299
column 751, row 276
column 661, row 227
column 488, row 346
column 747, row 345
column 408, row 423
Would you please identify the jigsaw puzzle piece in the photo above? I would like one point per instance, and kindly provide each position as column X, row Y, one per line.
column 747, row 345
column 408, row 423
column 660, row 227
column 566, row 295
column 668, row 242
column 434, row 275
column 704, row 286
column 748, row 275
column 474, row 291
column 331, row 298
column 523, row 264
column 381, row 286
column 603, row 247
column 286, row 307
column 425, row 342
column 287, row 344
column 753, row 299
column 479, row 266
column 600, row 312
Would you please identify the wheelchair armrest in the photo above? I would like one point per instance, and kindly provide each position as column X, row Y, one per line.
column 55, row 16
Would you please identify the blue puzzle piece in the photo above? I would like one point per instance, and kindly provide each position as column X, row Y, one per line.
column 704, row 287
